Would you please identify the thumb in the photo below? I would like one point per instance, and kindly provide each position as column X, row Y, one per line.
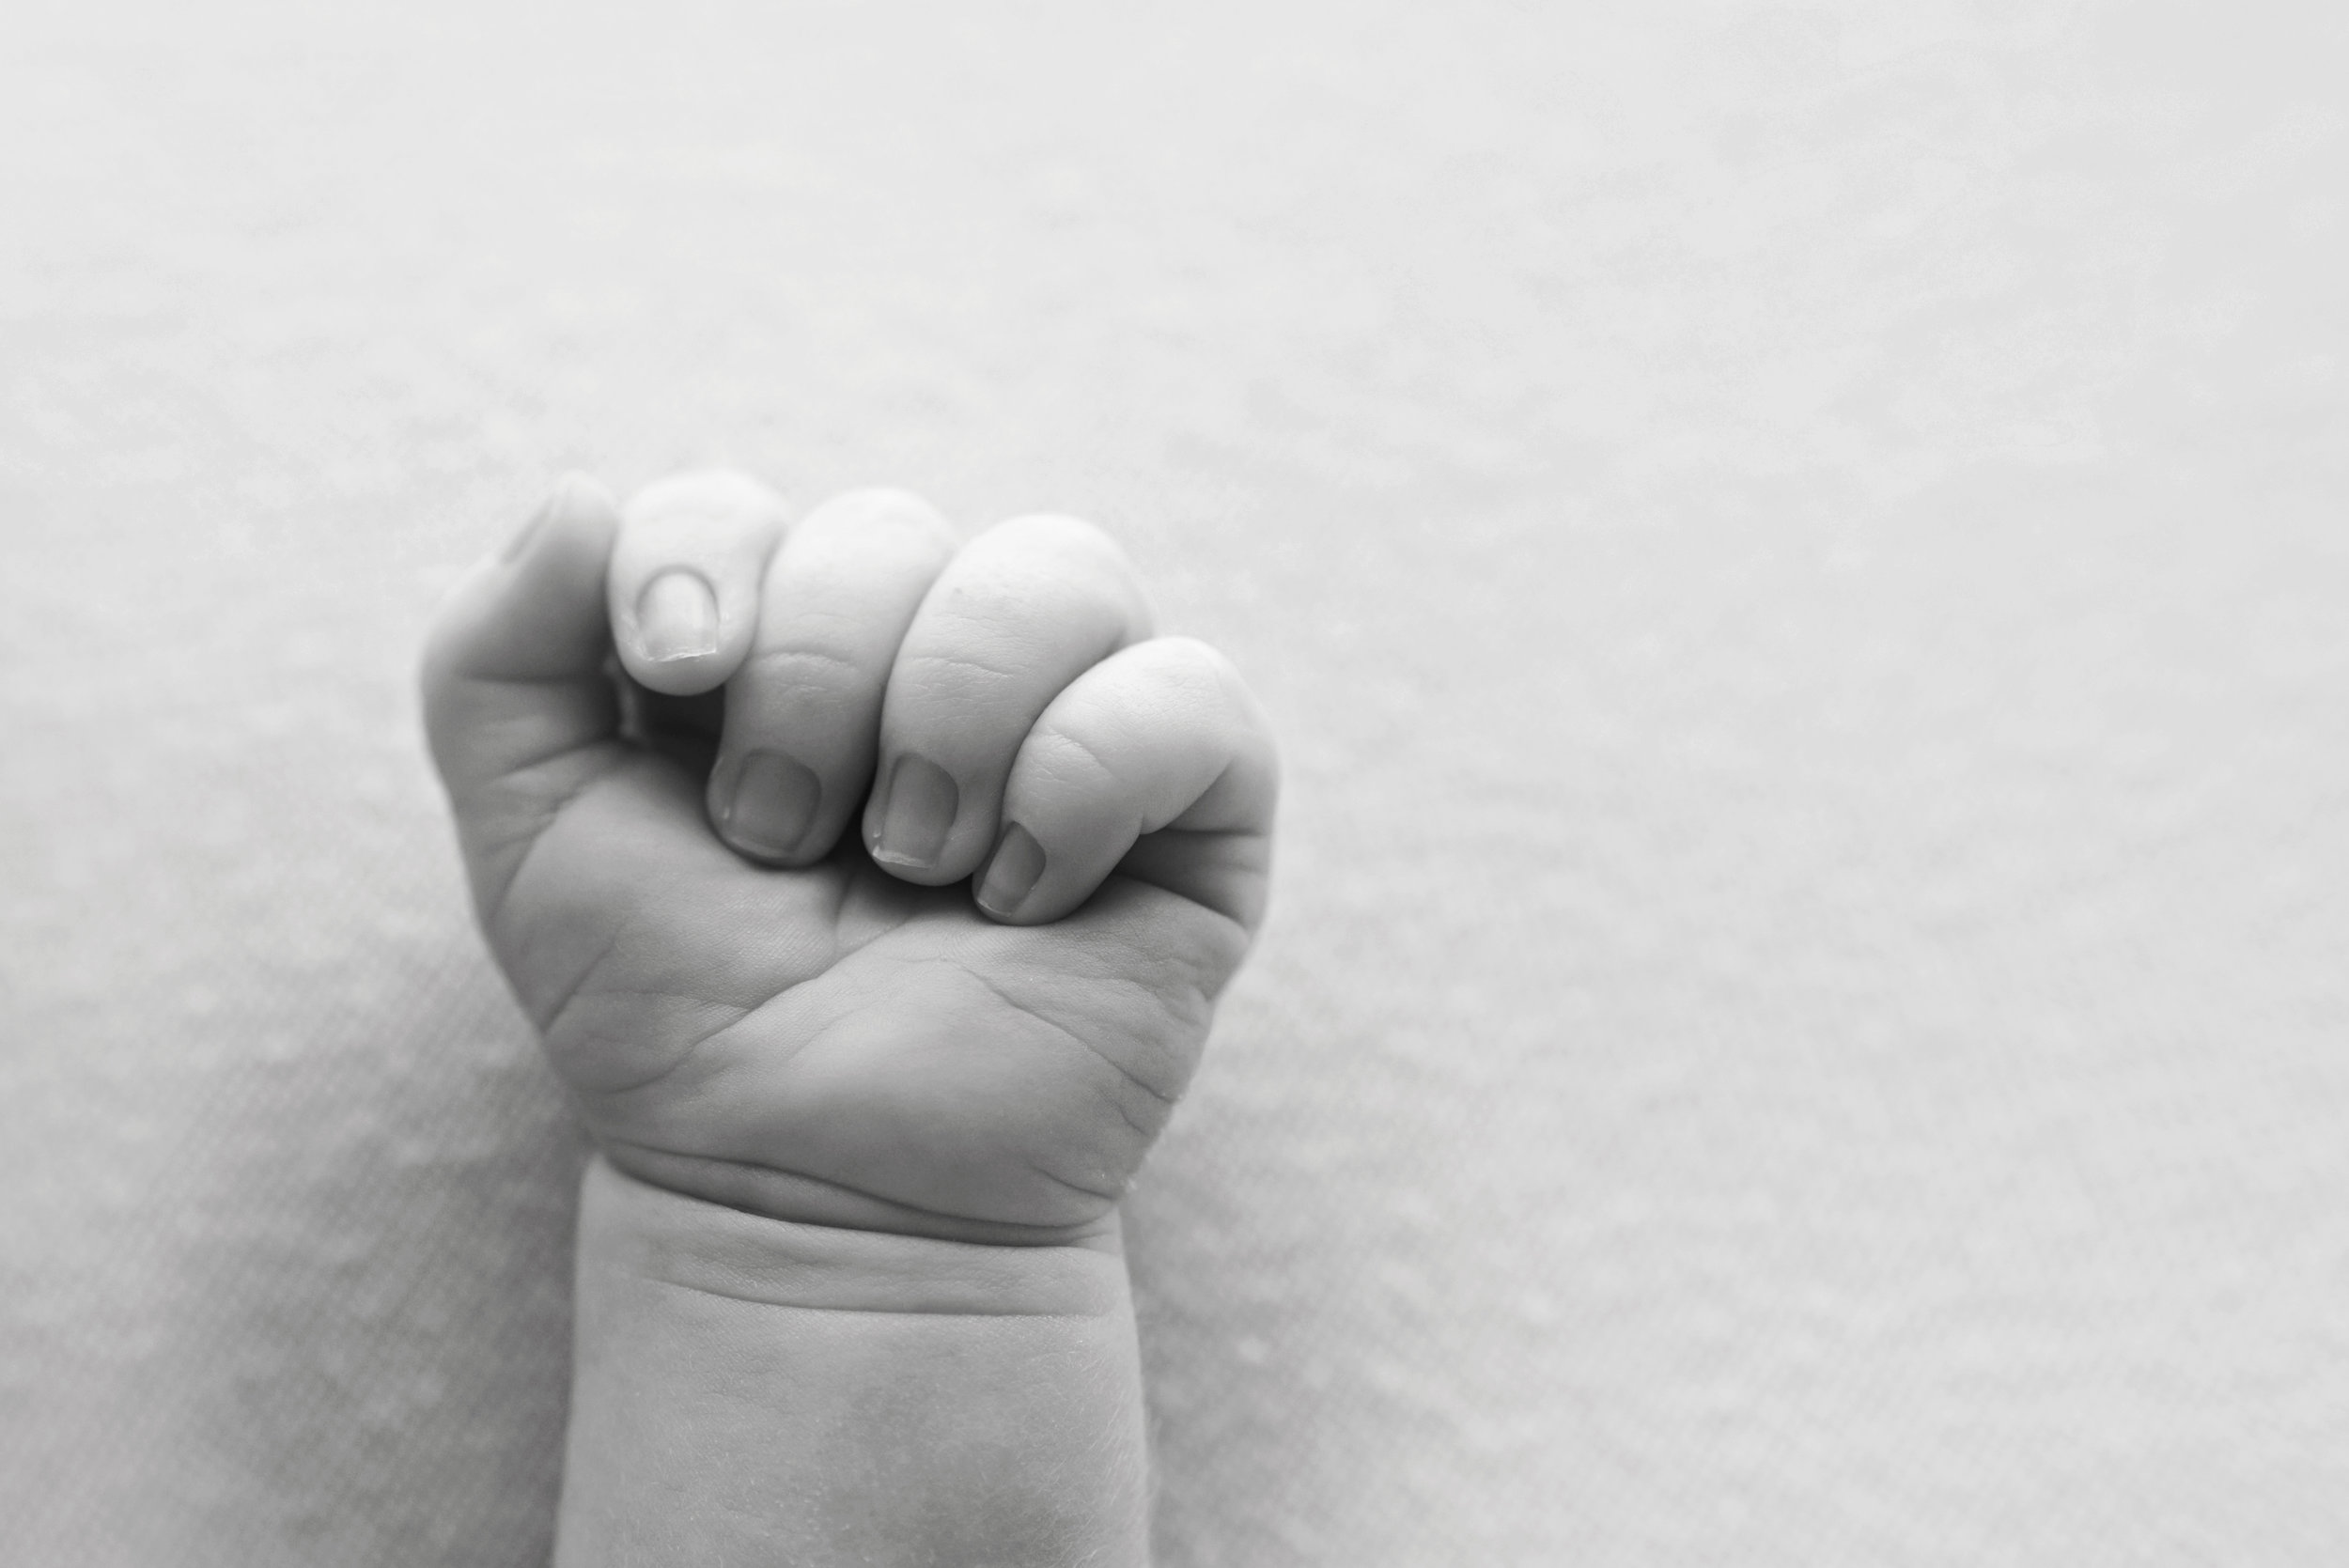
column 518, row 710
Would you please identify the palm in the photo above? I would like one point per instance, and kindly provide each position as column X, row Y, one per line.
column 838, row 1026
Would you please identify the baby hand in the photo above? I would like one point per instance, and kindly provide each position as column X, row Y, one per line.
column 756, row 1005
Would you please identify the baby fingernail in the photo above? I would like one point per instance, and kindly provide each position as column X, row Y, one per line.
column 1011, row 875
column 774, row 802
column 917, row 813
column 676, row 619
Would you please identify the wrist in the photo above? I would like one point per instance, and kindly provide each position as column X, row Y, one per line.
column 651, row 1232
column 807, row 1202
column 748, row 1389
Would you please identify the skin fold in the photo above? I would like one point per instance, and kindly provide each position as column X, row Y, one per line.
column 871, row 891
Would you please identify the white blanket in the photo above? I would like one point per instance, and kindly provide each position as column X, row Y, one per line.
column 1797, row 557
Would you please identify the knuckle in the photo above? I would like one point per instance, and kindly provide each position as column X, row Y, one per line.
column 1065, row 546
column 1187, row 658
column 805, row 664
column 1052, row 575
column 1052, row 530
column 880, row 506
column 709, row 510
column 701, row 490
column 1071, row 758
column 1191, row 675
column 957, row 674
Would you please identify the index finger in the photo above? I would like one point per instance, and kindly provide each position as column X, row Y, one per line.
column 683, row 588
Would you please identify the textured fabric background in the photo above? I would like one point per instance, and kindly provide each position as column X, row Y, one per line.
column 1799, row 555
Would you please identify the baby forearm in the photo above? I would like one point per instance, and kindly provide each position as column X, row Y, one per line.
column 859, row 874
column 752, row 1391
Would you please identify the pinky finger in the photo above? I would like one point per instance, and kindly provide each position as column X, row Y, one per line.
column 1156, row 760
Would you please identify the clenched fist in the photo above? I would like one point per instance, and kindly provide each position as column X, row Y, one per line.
column 853, row 874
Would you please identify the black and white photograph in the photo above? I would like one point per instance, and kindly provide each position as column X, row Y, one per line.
column 1503, row 785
